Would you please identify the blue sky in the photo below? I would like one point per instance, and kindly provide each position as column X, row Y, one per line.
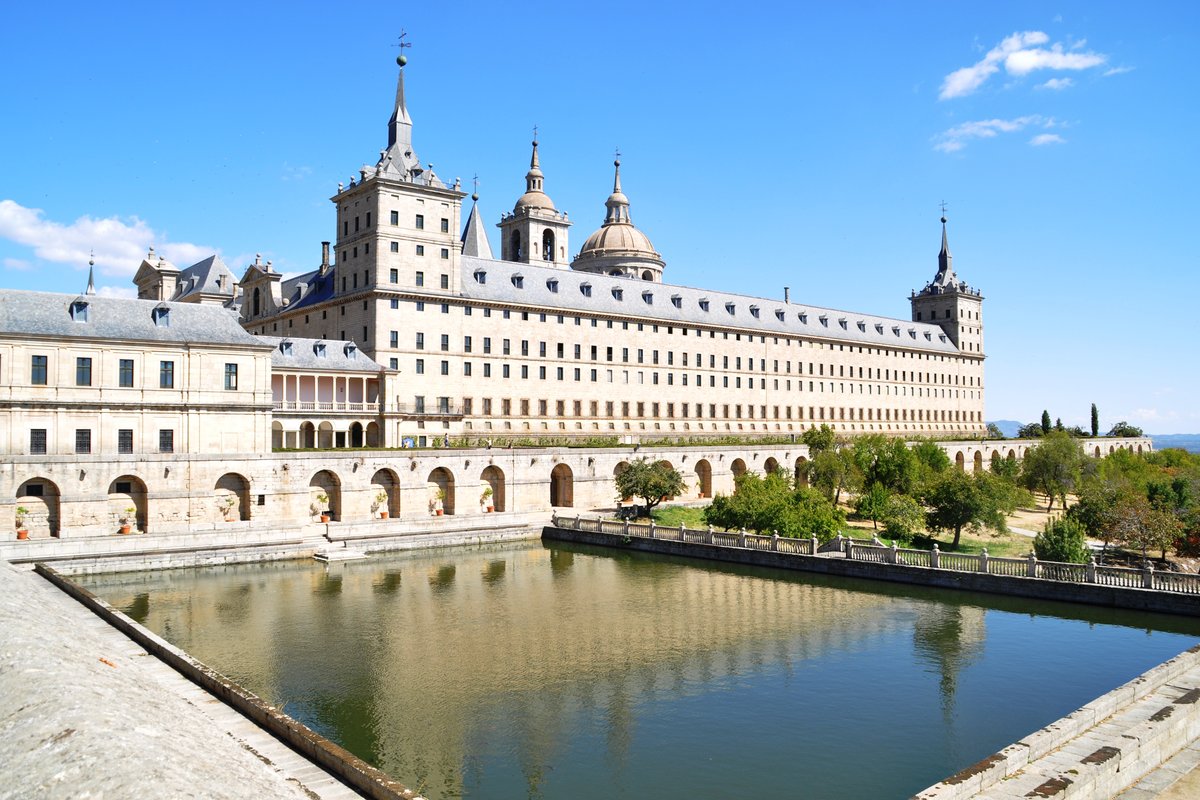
column 797, row 145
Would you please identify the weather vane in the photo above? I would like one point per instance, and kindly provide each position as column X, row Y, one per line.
column 402, row 59
column 617, row 153
column 535, row 134
column 943, row 208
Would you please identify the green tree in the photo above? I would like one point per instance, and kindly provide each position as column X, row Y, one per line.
column 1143, row 527
column 973, row 501
column 1053, row 467
column 1063, row 539
column 886, row 461
column 819, row 440
column 1095, row 420
column 650, row 480
column 1045, row 421
column 1007, row 468
column 833, row 471
column 872, row 504
column 1030, row 431
column 932, row 460
column 994, row 432
column 1096, row 512
column 903, row 517
column 770, row 504
column 1123, row 428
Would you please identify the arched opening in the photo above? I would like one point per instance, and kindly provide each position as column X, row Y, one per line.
column 647, row 275
column 325, row 494
column 1111, row 449
column 440, row 485
column 668, row 465
column 127, row 503
column 356, row 434
column 514, row 247
column 995, row 460
column 801, row 471
column 562, row 487
column 257, row 301
column 1012, row 455
column 770, row 466
column 277, row 441
column 373, row 434
column 738, row 468
column 617, row 470
column 385, row 491
column 704, row 477
column 978, row 465
column 233, row 497
column 308, row 435
column 1139, row 450
column 492, row 478
column 40, row 499
column 1097, row 451
column 547, row 245
column 325, row 436
column 960, row 461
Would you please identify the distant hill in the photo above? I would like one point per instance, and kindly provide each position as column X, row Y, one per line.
column 1183, row 441
column 1008, row 427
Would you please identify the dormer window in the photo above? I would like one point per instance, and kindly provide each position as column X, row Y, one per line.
column 704, row 305
column 285, row 347
column 824, row 320
column 912, row 332
column 79, row 311
column 928, row 336
column 585, row 289
column 552, row 285
column 803, row 318
column 518, row 281
column 618, row 294
column 942, row 336
column 842, row 323
column 677, row 301
column 319, row 349
column 879, row 327
column 648, row 298
column 730, row 308
column 351, row 350
column 754, row 311
column 862, row 326
column 480, row 276
column 779, row 315
column 896, row 330
column 161, row 316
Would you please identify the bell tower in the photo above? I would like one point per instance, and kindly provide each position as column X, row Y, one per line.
column 950, row 303
column 535, row 232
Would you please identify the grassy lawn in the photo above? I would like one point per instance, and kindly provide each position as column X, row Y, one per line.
column 674, row 516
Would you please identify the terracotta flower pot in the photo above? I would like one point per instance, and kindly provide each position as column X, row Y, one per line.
column 438, row 512
column 383, row 515
column 490, row 509
column 22, row 534
column 324, row 518
column 125, row 528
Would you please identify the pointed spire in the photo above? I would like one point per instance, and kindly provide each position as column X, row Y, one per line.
column 474, row 236
column 617, row 203
column 91, row 287
column 400, row 125
column 945, row 273
column 533, row 178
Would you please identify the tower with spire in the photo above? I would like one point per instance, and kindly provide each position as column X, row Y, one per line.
column 618, row 247
column 951, row 304
column 535, row 232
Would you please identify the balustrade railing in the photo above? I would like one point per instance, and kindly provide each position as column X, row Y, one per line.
column 873, row 551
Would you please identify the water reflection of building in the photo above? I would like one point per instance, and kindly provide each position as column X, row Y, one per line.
column 460, row 645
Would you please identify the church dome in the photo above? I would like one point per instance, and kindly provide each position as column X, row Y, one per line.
column 534, row 197
column 618, row 247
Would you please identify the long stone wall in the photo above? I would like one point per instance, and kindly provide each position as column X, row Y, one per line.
column 72, row 497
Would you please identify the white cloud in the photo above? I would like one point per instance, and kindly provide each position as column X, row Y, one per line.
column 19, row 264
column 1057, row 84
column 1019, row 54
column 127, row 292
column 1047, row 138
column 956, row 138
column 119, row 245
column 1117, row 71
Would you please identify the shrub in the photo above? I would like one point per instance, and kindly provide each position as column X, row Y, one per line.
column 1062, row 539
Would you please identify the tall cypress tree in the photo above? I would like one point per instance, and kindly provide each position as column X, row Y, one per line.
column 1095, row 421
column 1045, row 421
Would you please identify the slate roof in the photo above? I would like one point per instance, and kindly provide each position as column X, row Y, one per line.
column 118, row 318
column 303, row 355
column 308, row 289
column 671, row 304
column 202, row 278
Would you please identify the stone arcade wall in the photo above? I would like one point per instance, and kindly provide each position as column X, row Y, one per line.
column 86, row 496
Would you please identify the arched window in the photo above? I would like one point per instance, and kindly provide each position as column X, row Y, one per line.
column 547, row 245
column 257, row 301
column 515, row 246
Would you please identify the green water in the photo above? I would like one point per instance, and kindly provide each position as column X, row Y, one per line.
column 571, row 672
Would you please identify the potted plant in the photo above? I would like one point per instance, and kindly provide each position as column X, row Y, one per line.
column 435, row 505
column 226, row 505
column 323, row 506
column 485, row 499
column 127, row 519
column 380, row 505
column 22, row 531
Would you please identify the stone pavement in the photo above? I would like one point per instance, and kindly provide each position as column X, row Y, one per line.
column 86, row 713
column 1177, row 779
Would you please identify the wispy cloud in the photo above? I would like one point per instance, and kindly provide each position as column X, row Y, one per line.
column 1057, row 84
column 956, row 138
column 1019, row 54
column 1117, row 71
column 1047, row 138
column 18, row 264
column 119, row 244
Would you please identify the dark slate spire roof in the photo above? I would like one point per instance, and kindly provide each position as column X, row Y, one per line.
column 945, row 273
column 474, row 236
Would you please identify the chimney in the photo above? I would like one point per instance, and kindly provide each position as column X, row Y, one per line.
column 787, row 295
column 324, row 257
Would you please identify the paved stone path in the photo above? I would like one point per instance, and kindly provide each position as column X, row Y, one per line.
column 86, row 713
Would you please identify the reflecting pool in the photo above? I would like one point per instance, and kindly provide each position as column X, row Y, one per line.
column 564, row 671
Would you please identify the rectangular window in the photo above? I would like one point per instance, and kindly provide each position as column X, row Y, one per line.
column 83, row 372
column 83, row 440
column 394, row 274
column 445, row 225
column 420, row 341
column 231, row 377
column 420, row 366
column 420, row 249
column 445, row 281
column 125, row 373
column 37, row 371
column 393, row 363
column 420, row 222
column 395, row 217
column 445, row 252
column 125, row 441
column 166, row 441
column 394, row 339
column 466, row 344
column 166, row 374
column 487, row 344
column 420, row 278
column 445, row 342
column 37, row 441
